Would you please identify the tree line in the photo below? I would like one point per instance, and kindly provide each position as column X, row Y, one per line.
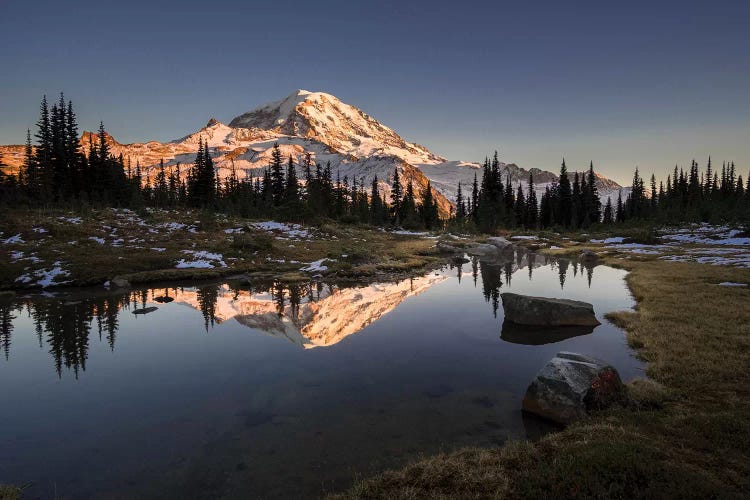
column 691, row 196
column 56, row 171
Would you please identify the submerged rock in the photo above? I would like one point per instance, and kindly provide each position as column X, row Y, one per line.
column 570, row 386
column 163, row 299
column 145, row 310
column 545, row 311
column 499, row 242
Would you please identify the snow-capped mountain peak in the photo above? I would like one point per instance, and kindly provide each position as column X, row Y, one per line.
column 345, row 129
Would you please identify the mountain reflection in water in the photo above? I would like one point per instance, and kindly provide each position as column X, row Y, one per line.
column 310, row 314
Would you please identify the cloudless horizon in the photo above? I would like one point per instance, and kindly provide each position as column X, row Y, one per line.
column 625, row 85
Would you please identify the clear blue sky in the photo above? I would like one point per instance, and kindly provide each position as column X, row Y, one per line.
column 620, row 83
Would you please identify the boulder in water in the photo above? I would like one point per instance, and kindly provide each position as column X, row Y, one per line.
column 500, row 242
column 545, row 311
column 570, row 386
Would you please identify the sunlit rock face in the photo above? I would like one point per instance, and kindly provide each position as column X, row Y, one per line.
column 321, row 317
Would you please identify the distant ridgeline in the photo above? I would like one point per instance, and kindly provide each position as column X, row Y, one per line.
column 62, row 169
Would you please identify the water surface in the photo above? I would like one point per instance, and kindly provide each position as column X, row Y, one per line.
column 278, row 391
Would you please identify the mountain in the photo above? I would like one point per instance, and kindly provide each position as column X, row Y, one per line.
column 356, row 145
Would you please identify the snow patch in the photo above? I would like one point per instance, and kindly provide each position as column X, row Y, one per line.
column 13, row 240
column 317, row 265
column 201, row 260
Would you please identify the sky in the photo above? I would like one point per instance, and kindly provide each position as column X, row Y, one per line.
column 622, row 84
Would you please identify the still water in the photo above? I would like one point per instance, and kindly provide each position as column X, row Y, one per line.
column 278, row 391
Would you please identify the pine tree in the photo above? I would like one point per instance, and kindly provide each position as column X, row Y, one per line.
column 460, row 206
column 277, row 176
column 43, row 152
column 396, row 198
column 577, row 213
column 594, row 203
column 608, row 218
column 520, row 208
column 377, row 208
column 565, row 210
column 474, row 199
column 428, row 208
column 532, row 208
column 291, row 193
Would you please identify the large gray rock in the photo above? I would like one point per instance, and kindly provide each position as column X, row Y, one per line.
column 570, row 386
column 544, row 311
column 500, row 242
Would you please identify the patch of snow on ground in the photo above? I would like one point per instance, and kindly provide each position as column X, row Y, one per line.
column 730, row 283
column 233, row 230
column 71, row 220
column 706, row 234
column 172, row 226
column 607, row 241
column 97, row 239
column 201, row 260
column 317, row 266
column 13, row 240
column 46, row 276
column 158, row 249
column 289, row 230
column 39, row 230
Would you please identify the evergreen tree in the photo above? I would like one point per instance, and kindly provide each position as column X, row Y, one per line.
column 396, row 198
column 291, row 192
column 277, row 176
column 594, row 204
column 377, row 208
column 608, row 217
column 565, row 198
column 428, row 208
column 532, row 208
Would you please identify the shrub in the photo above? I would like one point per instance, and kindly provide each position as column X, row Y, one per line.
column 252, row 242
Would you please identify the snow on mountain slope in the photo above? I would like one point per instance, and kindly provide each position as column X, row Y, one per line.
column 344, row 128
column 356, row 145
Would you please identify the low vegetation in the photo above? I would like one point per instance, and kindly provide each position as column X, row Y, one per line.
column 92, row 247
column 684, row 434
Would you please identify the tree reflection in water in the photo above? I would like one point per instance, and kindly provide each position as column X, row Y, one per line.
column 65, row 325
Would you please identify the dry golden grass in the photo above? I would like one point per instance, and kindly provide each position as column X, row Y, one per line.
column 686, row 433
